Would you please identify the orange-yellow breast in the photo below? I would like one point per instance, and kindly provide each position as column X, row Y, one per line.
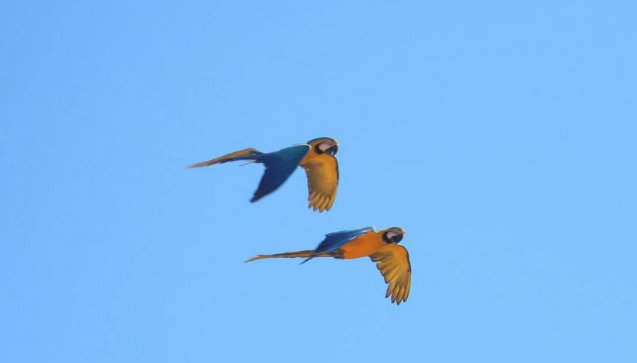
column 363, row 246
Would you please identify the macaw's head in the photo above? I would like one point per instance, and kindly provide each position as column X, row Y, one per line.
column 324, row 145
column 393, row 235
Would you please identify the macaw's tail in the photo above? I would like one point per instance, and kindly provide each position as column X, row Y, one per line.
column 303, row 254
column 245, row 154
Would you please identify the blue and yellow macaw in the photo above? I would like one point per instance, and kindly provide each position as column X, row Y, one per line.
column 316, row 157
column 381, row 246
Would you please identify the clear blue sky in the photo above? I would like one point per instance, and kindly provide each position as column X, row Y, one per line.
column 500, row 134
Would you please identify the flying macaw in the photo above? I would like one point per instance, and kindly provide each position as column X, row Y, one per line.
column 381, row 246
column 316, row 157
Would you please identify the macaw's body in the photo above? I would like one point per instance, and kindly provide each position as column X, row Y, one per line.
column 381, row 246
column 316, row 157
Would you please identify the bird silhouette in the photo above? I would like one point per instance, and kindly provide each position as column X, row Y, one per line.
column 381, row 246
column 316, row 157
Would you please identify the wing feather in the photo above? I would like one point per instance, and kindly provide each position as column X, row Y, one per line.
column 278, row 168
column 322, row 181
column 393, row 263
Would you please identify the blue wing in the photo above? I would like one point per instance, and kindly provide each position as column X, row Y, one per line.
column 278, row 168
column 335, row 240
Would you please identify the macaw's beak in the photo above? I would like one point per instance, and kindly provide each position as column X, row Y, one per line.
column 332, row 150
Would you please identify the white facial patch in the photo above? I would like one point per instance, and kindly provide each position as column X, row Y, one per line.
column 325, row 145
column 392, row 234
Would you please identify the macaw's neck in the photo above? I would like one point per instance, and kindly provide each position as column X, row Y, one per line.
column 312, row 157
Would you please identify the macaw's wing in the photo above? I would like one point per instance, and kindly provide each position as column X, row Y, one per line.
column 335, row 240
column 393, row 263
column 278, row 168
column 322, row 181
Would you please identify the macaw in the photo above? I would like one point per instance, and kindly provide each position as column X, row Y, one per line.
column 316, row 157
column 381, row 246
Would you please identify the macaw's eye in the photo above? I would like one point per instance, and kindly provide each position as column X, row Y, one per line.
column 332, row 150
column 393, row 236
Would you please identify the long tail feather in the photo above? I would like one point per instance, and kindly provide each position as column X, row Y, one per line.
column 245, row 154
column 303, row 254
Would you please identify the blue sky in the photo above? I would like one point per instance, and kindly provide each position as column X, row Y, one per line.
column 499, row 134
